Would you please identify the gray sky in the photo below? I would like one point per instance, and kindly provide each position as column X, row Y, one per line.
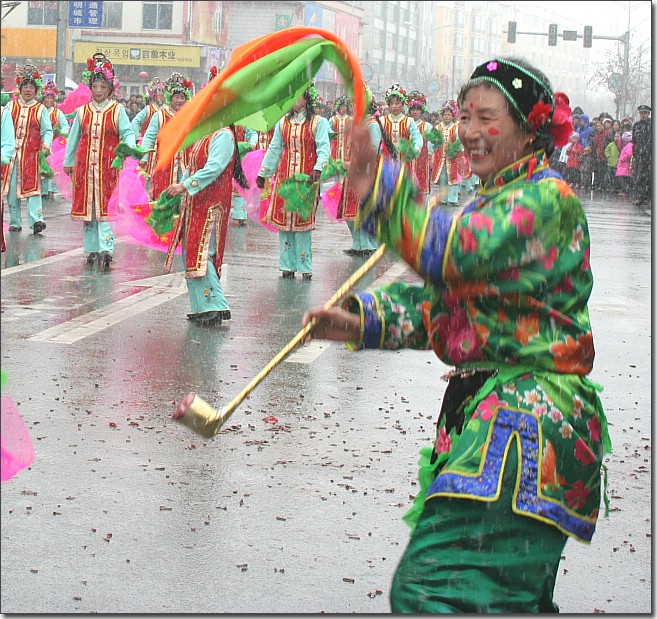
column 606, row 18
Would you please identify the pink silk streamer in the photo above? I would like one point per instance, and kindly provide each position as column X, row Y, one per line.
column 331, row 200
column 129, row 206
column 16, row 445
column 255, row 207
column 77, row 98
column 56, row 162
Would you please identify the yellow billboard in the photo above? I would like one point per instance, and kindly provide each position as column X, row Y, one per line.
column 32, row 43
column 138, row 54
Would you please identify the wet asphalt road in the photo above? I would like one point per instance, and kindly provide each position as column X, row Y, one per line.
column 295, row 507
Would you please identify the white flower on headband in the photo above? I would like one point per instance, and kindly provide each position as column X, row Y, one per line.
column 517, row 83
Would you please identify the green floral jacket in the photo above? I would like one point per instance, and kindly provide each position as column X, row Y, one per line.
column 507, row 280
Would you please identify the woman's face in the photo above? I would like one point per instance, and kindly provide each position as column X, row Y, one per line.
column 28, row 92
column 178, row 99
column 488, row 132
column 396, row 105
column 100, row 90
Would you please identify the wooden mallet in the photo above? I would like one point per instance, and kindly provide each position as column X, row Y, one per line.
column 195, row 413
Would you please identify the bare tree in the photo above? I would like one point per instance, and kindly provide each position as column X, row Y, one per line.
column 633, row 88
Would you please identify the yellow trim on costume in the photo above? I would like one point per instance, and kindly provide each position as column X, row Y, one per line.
column 422, row 236
column 374, row 196
column 484, row 454
column 448, row 245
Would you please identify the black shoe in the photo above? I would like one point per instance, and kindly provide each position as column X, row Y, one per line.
column 351, row 252
column 15, row 228
column 639, row 203
column 39, row 226
column 307, row 276
column 242, row 223
column 225, row 314
column 208, row 318
column 105, row 258
column 368, row 252
column 91, row 258
column 288, row 273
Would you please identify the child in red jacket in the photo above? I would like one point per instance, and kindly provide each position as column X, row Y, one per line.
column 574, row 163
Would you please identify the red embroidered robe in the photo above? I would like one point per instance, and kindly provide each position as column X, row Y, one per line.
column 341, row 143
column 420, row 166
column 164, row 177
column 299, row 157
column 439, row 159
column 27, row 127
column 201, row 213
column 396, row 129
column 93, row 177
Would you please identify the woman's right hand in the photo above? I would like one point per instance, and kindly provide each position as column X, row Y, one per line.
column 334, row 323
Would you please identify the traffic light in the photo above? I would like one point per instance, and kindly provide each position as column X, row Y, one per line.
column 511, row 32
column 588, row 36
column 552, row 35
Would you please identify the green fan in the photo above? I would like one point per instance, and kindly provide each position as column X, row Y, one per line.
column 123, row 150
column 434, row 136
column 406, row 150
column 163, row 212
column 44, row 168
column 298, row 192
column 453, row 149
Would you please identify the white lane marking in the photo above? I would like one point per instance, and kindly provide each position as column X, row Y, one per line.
column 160, row 289
column 43, row 261
column 307, row 353
column 93, row 322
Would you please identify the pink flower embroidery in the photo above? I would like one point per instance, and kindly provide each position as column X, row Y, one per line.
column 443, row 442
column 468, row 240
column 577, row 496
column 523, row 220
column 488, row 406
column 549, row 260
column 479, row 221
column 594, row 428
column 462, row 344
column 492, row 66
column 586, row 262
column 583, row 453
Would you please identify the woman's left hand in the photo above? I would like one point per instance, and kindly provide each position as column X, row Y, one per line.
column 176, row 189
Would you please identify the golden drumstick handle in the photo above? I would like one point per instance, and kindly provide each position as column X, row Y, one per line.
column 228, row 410
column 201, row 417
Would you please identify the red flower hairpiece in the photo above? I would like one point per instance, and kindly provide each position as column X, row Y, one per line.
column 539, row 115
column 562, row 119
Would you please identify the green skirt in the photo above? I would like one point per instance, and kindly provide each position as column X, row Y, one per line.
column 469, row 556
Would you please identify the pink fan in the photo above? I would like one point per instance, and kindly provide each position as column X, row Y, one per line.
column 17, row 449
column 79, row 97
column 56, row 162
column 331, row 200
column 129, row 206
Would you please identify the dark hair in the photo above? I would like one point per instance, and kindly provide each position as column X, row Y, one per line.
column 238, row 171
column 543, row 141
